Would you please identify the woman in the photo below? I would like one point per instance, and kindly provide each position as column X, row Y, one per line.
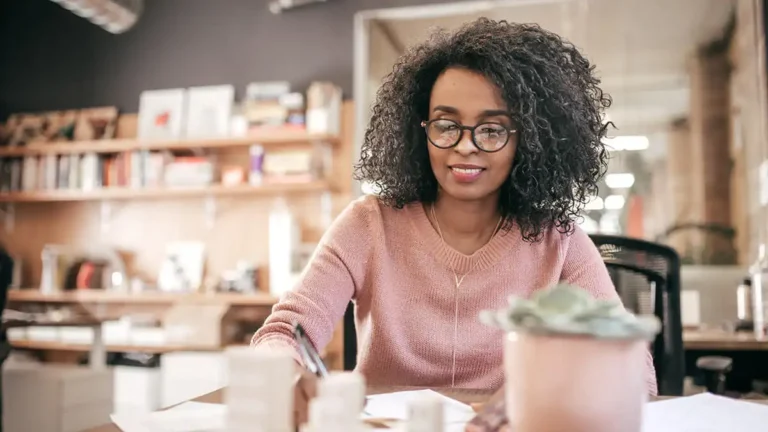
column 485, row 144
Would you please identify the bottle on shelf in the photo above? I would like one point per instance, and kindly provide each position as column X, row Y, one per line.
column 759, row 272
column 283, row 242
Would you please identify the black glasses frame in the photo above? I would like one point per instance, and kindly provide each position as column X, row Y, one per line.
column 471, row 129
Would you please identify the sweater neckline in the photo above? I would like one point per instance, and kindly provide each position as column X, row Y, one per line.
column 482, row 259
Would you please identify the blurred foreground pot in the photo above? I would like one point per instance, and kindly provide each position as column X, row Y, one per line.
column 557, row 383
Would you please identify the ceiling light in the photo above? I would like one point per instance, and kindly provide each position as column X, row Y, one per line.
column 627, row 142
column 280, row 6
column 614, row 202
column 114, row 16
column 595, row 203
column 620, row 180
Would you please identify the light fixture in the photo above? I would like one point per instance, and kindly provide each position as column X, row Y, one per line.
column 595, row 203
column 369, row 188
column 614, row 202
column 589, row 225
column 627, row 143
column 114, row 16
column 620, row 180
column 279, row 6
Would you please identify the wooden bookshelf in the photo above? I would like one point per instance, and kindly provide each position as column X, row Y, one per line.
column 271, row 139
column 119, row 193
column 147, row 298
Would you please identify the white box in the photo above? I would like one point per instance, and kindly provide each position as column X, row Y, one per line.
column 182, row 379
column 56, row 398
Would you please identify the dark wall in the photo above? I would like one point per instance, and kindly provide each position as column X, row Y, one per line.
column 53, row 59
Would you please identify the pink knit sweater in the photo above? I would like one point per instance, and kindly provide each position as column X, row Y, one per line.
column 395, row 267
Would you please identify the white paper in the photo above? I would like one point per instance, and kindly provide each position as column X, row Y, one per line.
column 395, row 406
column 186, row 417
column 705, row 413
column 205, row 417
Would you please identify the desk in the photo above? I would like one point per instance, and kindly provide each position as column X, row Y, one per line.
column 719, row 340
column 463, row 395
column 467, row 396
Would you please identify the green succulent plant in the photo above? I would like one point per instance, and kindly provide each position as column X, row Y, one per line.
column 568, row 310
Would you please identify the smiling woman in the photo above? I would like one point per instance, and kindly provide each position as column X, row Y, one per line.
column 532, row 83
column 483, row 147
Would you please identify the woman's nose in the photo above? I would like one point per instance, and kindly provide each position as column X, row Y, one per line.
column 465, row 145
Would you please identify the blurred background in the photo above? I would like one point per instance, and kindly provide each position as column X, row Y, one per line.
column 168, row 166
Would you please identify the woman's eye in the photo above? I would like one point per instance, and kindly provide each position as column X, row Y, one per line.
column 448, row 126
column 490, row 131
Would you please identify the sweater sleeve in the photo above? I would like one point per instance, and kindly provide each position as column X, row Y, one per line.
column 331, row 279
column 584, row 267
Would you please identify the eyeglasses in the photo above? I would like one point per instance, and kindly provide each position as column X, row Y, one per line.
column 488, row 137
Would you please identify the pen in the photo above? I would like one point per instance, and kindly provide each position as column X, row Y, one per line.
column 309, row 355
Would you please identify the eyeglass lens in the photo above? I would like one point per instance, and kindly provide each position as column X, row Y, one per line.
column 447, row 133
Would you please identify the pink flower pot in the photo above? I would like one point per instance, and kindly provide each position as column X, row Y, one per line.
column 574, row 383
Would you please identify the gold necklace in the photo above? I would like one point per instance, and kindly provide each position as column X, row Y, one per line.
column 458, row 280
column 456, row 292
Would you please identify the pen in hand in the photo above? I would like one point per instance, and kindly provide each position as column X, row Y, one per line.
column 309, row 355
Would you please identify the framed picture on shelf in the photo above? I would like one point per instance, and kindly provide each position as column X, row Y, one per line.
column 60, row 125
column 96, row 124
column 161, row 114
column 209, row 111
column 26, row 129
column 182, row 268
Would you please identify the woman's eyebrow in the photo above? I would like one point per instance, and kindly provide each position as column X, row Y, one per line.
column 447, row 109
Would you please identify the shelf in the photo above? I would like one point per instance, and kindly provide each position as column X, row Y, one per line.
column 164, row 193
column 41, row 345
column 273, row 138
column 106, row 297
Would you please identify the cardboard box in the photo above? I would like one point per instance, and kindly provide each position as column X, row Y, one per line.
column 56, row 398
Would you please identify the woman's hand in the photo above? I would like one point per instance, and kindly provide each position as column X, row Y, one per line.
column 491, row 416
column 304, row 390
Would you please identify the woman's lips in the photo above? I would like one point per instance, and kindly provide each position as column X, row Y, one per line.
column 466, row 173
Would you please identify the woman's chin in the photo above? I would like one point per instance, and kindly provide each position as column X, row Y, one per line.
column 467, row 191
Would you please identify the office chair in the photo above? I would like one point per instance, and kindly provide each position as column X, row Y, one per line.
column 647, row 278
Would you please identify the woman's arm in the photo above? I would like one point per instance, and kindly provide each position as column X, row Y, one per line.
column 331, row 279
column 584, row 267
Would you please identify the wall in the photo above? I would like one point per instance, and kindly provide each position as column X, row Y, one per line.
column 383, row 57
column 53, row 59
column 748, row 126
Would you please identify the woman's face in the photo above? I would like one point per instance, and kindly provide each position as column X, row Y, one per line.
column 467, row 98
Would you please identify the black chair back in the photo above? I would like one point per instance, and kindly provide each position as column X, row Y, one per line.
column 647, row 278
column 350, row 338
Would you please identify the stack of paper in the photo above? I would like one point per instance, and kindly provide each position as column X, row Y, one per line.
column 187, row 417
column 395, row 406
column 705, row 413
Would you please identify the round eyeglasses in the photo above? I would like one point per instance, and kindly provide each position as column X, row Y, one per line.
column 488, row 137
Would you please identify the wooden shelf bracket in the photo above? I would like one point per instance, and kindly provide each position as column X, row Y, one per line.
column 8, row 211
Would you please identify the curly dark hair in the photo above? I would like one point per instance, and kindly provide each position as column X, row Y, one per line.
column 554, row 98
